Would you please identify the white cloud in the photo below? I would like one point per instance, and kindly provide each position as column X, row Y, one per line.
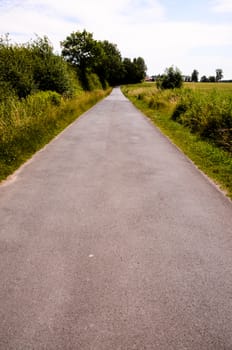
column 174, row 45
column 91, row 10
column 223, row 6
column 138, row 27
column 107, row 19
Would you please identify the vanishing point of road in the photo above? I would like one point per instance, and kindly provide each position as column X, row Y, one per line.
column 111, row 239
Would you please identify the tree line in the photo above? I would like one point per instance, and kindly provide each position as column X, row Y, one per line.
column 204, row 79
column 84, row 61
column 172, row 78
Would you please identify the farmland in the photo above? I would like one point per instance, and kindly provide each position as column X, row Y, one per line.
column 206, row 87
column 197, row 118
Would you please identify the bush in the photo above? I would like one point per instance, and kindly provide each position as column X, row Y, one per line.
column 31, row 67
column 15, row 69
column 208, row 115
column 171, row 79
column 93, row 82
column 42, row 100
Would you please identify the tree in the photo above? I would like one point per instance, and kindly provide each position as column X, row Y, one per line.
column 212, row 79
column 79, row 49
column 187, row 78
column 110, row 67
column 171, row 79
column 83, row 52
column 194, row 77
column 15, row 68
column 219, row 74
column 128, row 71
column 140, row 69
column 33, row 66
column 134, row 71
column 102, row 58
column 50, row 70
column 204, row 79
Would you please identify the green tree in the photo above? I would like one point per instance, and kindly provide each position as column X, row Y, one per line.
column 15, row 68
column 194, row 76
column 212, row 79
column 219, row 74
column 133, row 71
column 204, row 79
column 83, row 52
column 110, row 66
column 102, row 58
column 128, row 71
column 140, row 69
column 51, row 72
column 33, row 66
column 171, row 79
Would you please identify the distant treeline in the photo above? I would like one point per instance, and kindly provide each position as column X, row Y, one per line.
column 84, row 63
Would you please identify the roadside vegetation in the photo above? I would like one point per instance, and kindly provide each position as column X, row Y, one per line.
column 197, row 118
column 42, row 92
column 27, row 125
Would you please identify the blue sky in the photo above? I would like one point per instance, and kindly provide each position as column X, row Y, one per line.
column 187, row 34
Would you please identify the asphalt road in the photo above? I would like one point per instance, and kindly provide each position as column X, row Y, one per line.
column 110, row 239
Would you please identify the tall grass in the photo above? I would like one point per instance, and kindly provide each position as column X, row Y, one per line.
column 208, row 115
column 205, row 109
column 27, row 125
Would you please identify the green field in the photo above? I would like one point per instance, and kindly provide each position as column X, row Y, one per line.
column 208, row 87
column 197, row 118
column 225, row 87
column 203, row 87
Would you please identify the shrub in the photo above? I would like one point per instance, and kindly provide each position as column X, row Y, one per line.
column 209, row 115
column 43, row 99
column 15, row 69
column 93, row 82
column 33, row 66
column 171, row 79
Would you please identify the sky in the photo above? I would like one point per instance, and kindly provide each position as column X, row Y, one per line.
column 188, row 34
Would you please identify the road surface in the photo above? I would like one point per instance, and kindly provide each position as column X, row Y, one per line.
column 111, row 239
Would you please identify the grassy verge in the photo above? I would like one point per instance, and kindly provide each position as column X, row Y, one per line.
column 213, row 161
column 27, row 125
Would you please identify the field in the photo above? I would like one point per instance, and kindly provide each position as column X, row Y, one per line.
column 197, row 118
column 203, row 87
column 206, row 87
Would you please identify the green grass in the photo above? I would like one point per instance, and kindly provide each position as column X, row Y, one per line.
column 215, row 162
column 222, row 87
column 27, row 125
column 203, row 87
